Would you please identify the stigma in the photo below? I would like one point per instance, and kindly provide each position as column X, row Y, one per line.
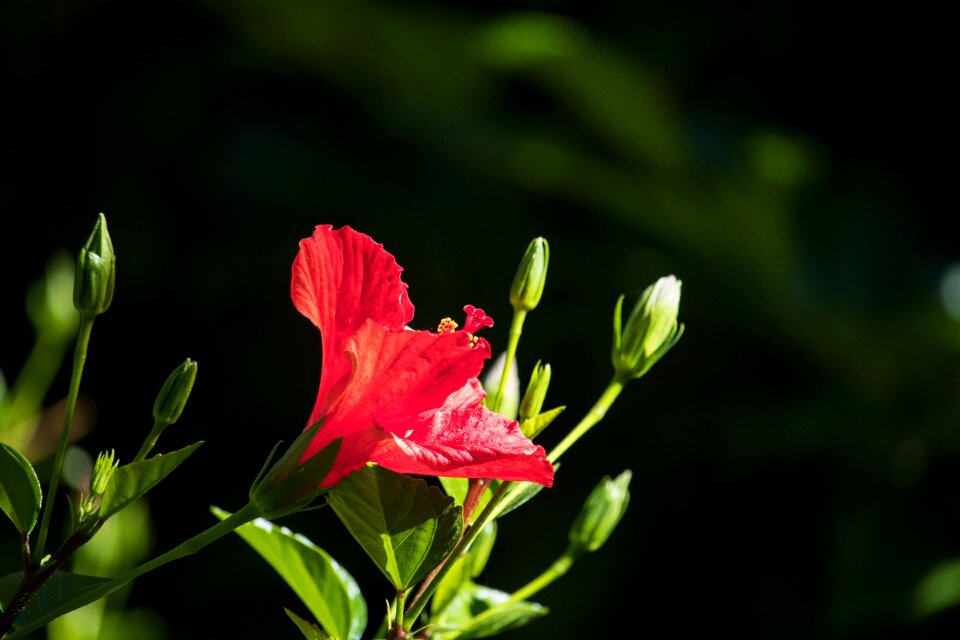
column 476, row 320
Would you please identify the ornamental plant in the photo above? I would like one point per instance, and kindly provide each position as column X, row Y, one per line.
column 414, row 455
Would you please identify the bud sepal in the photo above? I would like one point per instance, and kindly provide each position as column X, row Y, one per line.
column 96, row 272
column 650, row 331
column 527, row 286
column 175, row 392
column 600, row 515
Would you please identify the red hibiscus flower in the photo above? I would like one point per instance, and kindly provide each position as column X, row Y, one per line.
column 406, row 400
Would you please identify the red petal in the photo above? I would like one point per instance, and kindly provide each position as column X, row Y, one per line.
column 463, row 442
column 342, row 278
column 394, row 377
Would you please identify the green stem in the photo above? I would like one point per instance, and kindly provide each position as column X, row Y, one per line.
column 556, row 570
column 396, row 632
column 560, row 567
column 423, row 596
column 79, row 358
column 595, row 415
column 151, row 440
column 191, row 546
column 516, row 328
column 508, row 491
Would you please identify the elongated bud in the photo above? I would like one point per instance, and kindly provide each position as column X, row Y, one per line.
column 536, row 392
column 96, row 272
column 650, row 331
column 601, row 514
column 102, row 473
column 175, row 392
column 292, row 483
column 528, row 283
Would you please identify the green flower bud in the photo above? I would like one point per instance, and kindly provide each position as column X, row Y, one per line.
column 528, row 283
column 291, row 483
column 601, row 514
column 536, row 392
column 96, row 272
column 650, row 331
column 102, row 473
column 175, row 392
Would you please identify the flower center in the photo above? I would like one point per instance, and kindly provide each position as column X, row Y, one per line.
column 476, row 320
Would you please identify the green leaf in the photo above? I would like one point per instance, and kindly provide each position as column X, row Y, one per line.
column 8, row 587
column 134, row 480
column 526, row 491
column 457, row 489
column 331, row 594
column 406, row 527
column 20, row 495
column 309, row 630
column 450, row 587
column 531, row 427
column 59, row 587
column 481, row 612
column 465, row 567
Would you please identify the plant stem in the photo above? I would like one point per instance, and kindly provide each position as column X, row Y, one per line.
column 396, row 628
column 516, row 328
column 560, row 567
column 151, row 440
column 424, row 594
column 79, row 359
column 191, row 546
column 508, row 491
column 595, row 415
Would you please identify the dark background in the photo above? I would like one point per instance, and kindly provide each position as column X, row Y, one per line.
column 796, row 457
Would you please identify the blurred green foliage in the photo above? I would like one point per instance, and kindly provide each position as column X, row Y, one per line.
column 795, row 457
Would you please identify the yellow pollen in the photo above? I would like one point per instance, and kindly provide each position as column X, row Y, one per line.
column 473, row 340
column 447, row 325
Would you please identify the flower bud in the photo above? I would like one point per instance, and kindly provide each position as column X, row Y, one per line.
column 292, row 483
column 528, row 283
column 601, row 514
column 536, row 392
column 102, row 473
column 96, row 271
column 650, row 331
column 175, row 392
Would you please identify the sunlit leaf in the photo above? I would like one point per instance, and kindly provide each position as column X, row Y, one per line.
column 134, row 480
column 466, row 567
column 526, row 491
column 531, row 427
column 20, row 495
column 309, row 630
column 331, row 594
column 406, row 527
column 457, row 489
column 481, row 612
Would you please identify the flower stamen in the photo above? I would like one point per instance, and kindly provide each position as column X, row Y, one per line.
column 447, row 325
column 476, row 320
